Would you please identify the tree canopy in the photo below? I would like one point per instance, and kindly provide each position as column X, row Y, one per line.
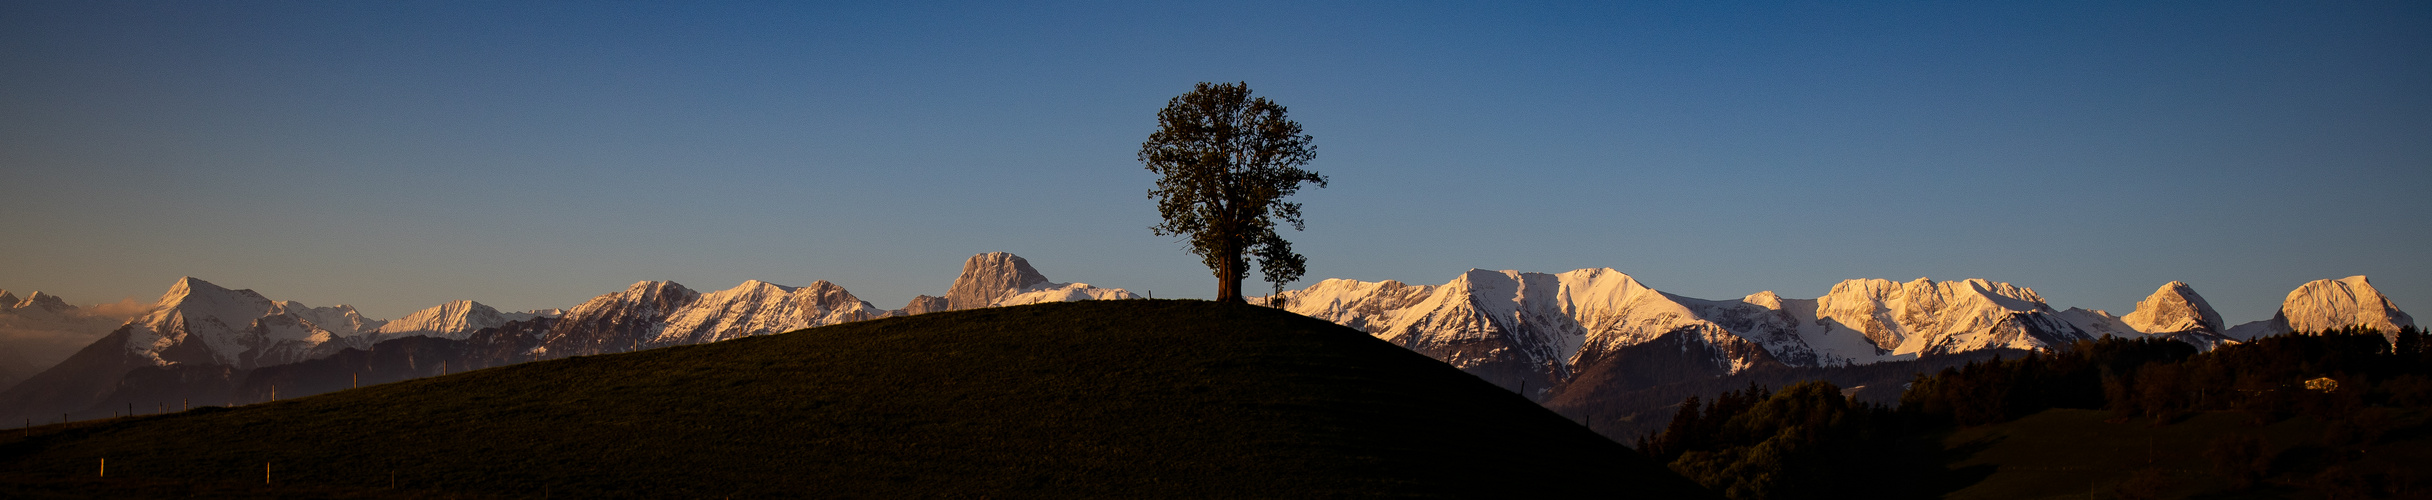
column 1227, row 161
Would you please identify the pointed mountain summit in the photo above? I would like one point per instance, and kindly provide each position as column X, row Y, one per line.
column 41, row 302
column 197, row 335
column 2330, row 304
column 997, row 279
column 990, row 276
column 2174, row 307
column 2174, row 311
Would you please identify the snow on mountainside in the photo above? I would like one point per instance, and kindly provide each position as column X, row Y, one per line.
column 1926, row 317
column 998, row 279
column 2174, row 307
column 1532, row 329
column 658, row 313
column 760, row 308
column 453, row 320
column 1539, row 330
column 2174, row 311
column 198, row 322
column 1559, row 317
column 37, row 303
column 2329, row 304
column 39, row 329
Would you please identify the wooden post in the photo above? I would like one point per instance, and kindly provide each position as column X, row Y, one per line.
column 274, row 392
column 105, row 468
column 265, row 473
column 358, row 381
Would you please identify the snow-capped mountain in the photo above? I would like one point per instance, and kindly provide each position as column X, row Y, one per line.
column 662, row 313
column 199, row 322
column 997, row 279
column 36, row 303
column 1532, row 329
column 760, row 308
column 195, row 335
column 2174, row 311
column 1926, row 317
column 210, row 342
column 2174, row 307
column 2329, row 304
column 453, row 320
column 657, row 313
column 40, row 329
column 1545, row 329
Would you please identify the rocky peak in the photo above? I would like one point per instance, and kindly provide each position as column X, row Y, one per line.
column 642, row 299
column 452, row 320
column 43, row 302
column 2351, row 301
column 2174, row 307
column 924, row 304
column 991, row 276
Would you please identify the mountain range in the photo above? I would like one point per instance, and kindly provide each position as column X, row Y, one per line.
column 1590, row 330
column 203, row 344
column 1568, row 336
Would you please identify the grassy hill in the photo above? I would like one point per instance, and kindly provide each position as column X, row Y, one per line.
column 1117, row 398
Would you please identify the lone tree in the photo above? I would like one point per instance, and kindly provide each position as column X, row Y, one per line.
column 1228, row 160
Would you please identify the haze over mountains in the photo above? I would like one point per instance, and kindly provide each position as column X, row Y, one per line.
column 1535, row 333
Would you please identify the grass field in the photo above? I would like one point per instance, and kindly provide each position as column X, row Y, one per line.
column 1117, row 398
column 2077, row 454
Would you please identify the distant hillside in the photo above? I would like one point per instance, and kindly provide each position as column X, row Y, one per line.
column 1129, row 398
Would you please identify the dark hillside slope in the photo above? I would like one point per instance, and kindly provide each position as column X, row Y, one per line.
column 1118, row 398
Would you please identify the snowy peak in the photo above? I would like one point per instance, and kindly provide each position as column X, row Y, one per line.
column 199, row 322
column 2173, row 311
column 38, row 302
column 1500, row 324
column 761, row 308
column 1926, row 317
column 453, row 320
column 2174, row 307
column 645, row 299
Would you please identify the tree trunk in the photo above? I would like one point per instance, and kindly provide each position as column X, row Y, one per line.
column 1229, row 272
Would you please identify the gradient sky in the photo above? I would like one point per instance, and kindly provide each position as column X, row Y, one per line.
column 396, row 155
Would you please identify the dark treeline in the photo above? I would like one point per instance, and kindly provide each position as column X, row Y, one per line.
column 1807, row 439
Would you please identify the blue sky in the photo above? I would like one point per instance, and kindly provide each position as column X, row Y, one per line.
column 397, row 155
